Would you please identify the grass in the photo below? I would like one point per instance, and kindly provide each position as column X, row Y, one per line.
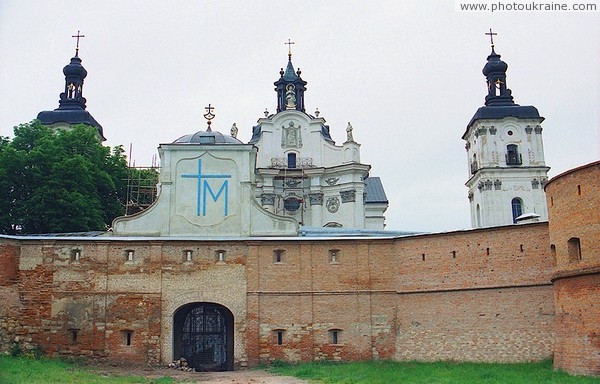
column 387, row 372
column 23, row 370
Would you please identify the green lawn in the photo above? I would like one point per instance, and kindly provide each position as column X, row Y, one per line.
column 23, row 370
column 387, row 372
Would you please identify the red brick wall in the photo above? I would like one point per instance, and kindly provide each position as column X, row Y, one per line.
column 478, row 295
column 574, row 212
column 490, row 286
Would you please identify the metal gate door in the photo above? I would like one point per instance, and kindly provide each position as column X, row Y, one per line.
column 204, row 339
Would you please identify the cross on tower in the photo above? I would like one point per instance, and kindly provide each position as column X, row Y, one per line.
column 77, row 36
column 491, row 35
column 289, row 44
column 209, row 116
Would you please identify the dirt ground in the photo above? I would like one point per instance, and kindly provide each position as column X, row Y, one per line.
column 249, row 376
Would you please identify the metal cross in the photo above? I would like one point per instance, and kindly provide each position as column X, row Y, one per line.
column 209, row 116
column 289, row 44
column 77, row 36
column 491, row 35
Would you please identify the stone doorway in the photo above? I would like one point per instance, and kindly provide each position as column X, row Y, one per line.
column 203, row 335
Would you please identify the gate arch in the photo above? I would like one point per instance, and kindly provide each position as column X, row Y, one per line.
column 203, row 335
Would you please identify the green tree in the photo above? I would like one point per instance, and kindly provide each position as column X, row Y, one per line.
column 54, row 181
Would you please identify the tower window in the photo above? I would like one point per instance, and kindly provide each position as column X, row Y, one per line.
column 291, row 160
column 220, row 255
column 129, row 255
column 188, row 254
column 513, row 157
column 517, row 208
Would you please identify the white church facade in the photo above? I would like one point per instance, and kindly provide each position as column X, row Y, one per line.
column 290, row 175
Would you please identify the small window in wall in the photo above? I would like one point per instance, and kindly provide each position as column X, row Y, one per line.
column 279, row 336
column 334, row 255
column 553, row 253
column 76, row 255
column 517, row 208
column 278, row 255
column 127, row 337
column 334, row 336
column 574, row 249
column 220, row 255
column 129, row 255
column 73, row 336
column 187, row 255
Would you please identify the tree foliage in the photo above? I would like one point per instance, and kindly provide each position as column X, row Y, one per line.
column 54, row 181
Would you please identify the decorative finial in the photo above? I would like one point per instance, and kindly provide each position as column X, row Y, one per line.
column 77, row 47
column 289, row 44
column 266, row 112
column 234, row 130
column 209, row 116
column 317, row 113
column 491, row 35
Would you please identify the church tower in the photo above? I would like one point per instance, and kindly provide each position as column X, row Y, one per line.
column 302, row 173
column 505, row 153
column 72, row 109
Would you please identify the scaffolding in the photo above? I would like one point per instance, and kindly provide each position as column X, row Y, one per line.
column 142, row 188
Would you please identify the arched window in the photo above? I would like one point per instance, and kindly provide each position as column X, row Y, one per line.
column 517, row 208
column 478, row 210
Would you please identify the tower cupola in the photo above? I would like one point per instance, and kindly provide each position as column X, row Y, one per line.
column 71, row 104
column 290, row 87
column 495, row 74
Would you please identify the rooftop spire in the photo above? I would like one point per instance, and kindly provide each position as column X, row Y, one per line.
column 77, row 47
column 289, row 44
column 491, row 34
column 290, row 86
column 495, row 73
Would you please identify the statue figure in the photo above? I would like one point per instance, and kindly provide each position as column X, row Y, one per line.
column 290, row 97
column 349, row 132
column 234, row 131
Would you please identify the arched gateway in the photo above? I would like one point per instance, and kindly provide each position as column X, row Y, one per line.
column 203, row 335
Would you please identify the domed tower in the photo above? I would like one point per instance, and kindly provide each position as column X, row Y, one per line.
column 505, row 153
column 72, row 109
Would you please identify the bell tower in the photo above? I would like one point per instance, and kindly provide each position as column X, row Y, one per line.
column 290, row 87
column 507, row 170
column 71, row 105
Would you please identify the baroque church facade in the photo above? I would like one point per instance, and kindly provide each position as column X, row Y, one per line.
column 274, row 250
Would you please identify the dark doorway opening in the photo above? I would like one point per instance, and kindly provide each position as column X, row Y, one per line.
column 203, row 335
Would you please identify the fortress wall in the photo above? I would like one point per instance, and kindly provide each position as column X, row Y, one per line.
column 574, row 209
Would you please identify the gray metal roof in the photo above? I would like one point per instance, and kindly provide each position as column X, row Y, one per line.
column 375, row 191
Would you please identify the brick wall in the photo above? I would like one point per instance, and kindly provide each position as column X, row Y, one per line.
column 574, row 210
column 334, row 299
